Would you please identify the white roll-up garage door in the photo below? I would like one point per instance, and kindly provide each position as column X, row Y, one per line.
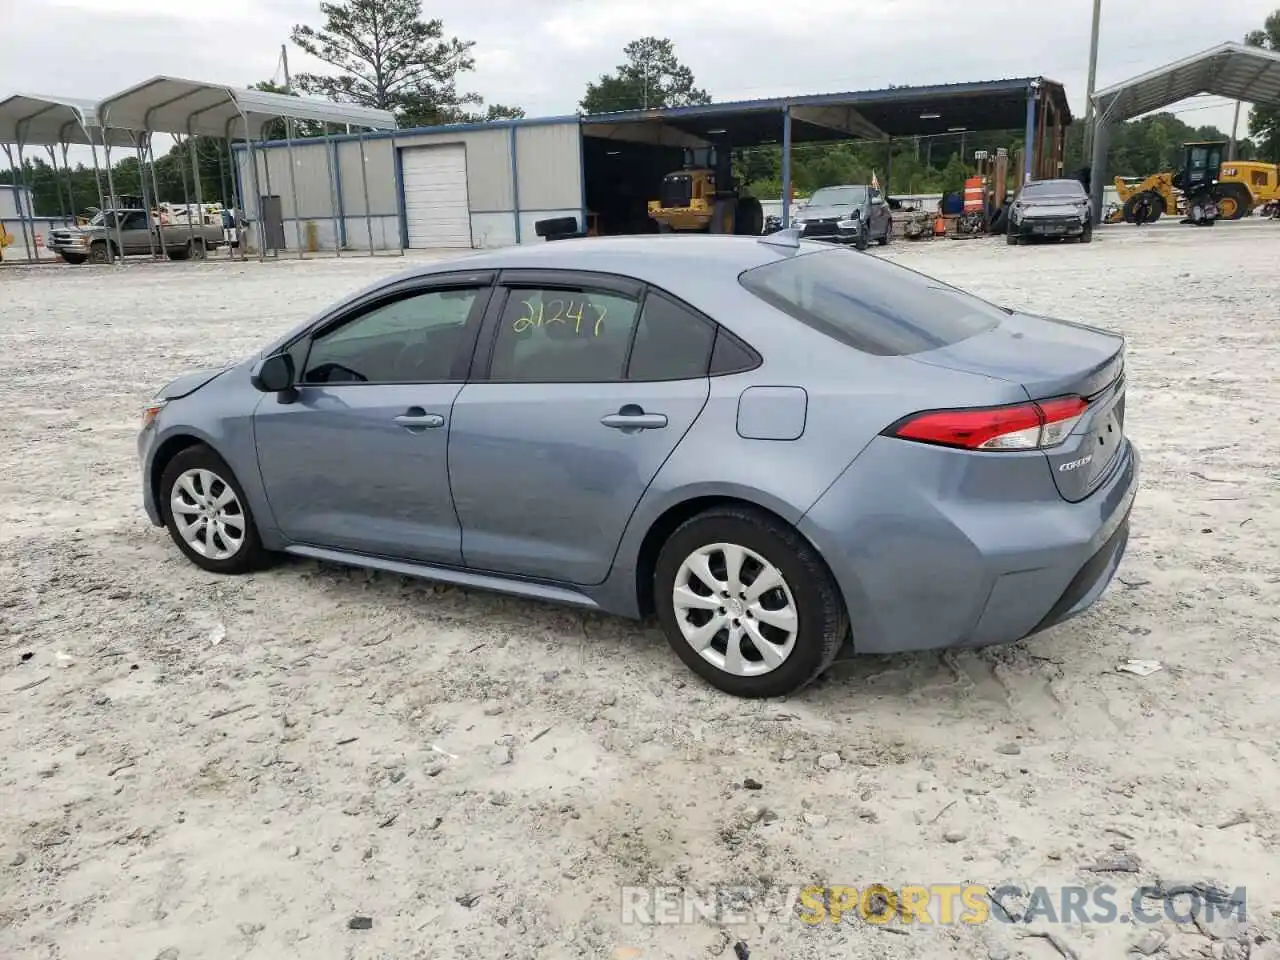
column 435, row 196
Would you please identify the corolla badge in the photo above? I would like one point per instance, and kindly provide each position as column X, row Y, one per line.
column 1075, row 464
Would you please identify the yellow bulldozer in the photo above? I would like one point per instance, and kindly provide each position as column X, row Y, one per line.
column 702, row 198
column 1237, row 187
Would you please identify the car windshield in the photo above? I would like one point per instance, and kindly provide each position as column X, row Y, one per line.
column 1053, row 190
column 871, row 304
column 838, row 196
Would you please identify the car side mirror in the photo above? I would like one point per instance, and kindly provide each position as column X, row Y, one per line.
column 275, row 374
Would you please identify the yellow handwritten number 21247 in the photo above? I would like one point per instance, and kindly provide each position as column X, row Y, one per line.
column 558, row 311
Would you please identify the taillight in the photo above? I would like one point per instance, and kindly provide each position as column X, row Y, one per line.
column 1023, row 426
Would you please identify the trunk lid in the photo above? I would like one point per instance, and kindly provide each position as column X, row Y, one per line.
column 1054, row 358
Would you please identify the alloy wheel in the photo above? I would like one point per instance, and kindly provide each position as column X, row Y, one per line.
column 735, row 609
column 208, row 514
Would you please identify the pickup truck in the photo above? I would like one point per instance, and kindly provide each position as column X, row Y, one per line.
column 99, row 241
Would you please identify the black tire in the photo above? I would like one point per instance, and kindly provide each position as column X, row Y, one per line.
column 748, row 217
column 884, row 240
column 1011, row 239
column 99, row 252
column 862, row 241
column 180, row 253
column 822, row 623
column 198, row 250
column 74, row 258
column 1087, row 235
column 250, row 555
column 1144, row 207
column 665, row 228
column 1239, row 194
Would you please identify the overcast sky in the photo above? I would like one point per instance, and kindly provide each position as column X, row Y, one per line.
column 540, row 54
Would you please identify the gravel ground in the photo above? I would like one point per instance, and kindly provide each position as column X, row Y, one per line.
column 199, row 767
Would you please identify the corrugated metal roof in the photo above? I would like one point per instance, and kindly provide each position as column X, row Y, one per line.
column 37, row 121
column 172, row 105
column 855, row 98
column 1232, row 70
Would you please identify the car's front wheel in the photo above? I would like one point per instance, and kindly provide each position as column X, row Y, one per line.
column 206, row 513
column 747, row 603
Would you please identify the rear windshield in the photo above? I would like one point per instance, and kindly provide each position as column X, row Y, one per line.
column 870, row 304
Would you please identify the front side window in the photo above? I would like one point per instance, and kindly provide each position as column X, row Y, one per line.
column 134, row 221
column 413, row 339
column 549, row 336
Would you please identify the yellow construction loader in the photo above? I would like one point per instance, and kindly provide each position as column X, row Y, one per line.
column 1237, row 186
column 702, row 198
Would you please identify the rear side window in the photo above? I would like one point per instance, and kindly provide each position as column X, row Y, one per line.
column 671, row 343
column 870, row 304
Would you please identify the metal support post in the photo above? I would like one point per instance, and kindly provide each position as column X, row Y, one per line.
column 147, row 205
column 198, row 248
column 1029, row 141
column 293, row 188
column 30, row 214
column 364, row 183
column 17, row 200
column 155, row 190
column 333, row 195
column 786, row 166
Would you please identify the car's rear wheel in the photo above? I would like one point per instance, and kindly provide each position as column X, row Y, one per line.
column 206, row 513
column 747, row 603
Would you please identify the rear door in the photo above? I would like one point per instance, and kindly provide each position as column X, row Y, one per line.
column 583, row 386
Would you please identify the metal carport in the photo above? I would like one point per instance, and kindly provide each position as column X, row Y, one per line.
column 1035, row 104
column 188, row 108
column 1232, row 70
column 30, row 120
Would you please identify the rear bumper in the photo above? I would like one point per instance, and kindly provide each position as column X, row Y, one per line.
column 924, row 562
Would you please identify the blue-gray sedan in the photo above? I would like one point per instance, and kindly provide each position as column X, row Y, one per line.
column 775, row 446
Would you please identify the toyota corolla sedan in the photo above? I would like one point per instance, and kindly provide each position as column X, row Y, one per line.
column 776, row 446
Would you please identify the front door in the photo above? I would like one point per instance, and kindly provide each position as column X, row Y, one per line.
column 567, row 421
column 135, row 233
column 357, row 460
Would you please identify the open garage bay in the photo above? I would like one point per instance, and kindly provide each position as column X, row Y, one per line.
column 239, row 767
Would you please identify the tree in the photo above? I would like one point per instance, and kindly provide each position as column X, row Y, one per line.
column 1264, row 121
column 651, row 77
column 387, row 56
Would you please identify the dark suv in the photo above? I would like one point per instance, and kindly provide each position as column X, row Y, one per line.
column 846, row 214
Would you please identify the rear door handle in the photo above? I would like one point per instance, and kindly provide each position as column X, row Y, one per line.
column 635, row 421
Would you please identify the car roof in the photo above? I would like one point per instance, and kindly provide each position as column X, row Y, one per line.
column 661, row 260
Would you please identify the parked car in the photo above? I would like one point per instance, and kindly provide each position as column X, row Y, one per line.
column 775, row 446
column 1050, row 209
column 846, row 214
column 97, row 241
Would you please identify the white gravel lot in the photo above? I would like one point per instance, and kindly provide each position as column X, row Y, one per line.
column 195, row 767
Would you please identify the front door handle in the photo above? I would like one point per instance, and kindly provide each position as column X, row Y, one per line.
column 629, row 421
column 415, row 419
